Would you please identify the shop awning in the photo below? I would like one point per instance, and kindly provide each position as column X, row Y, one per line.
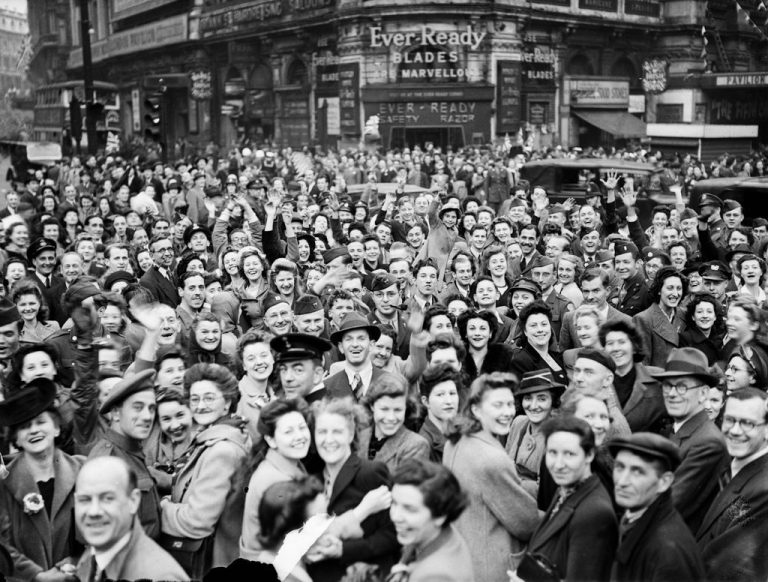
column 618, row 123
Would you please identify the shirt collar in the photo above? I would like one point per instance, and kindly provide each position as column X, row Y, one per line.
column 738, row 464
column 366, row 373
column 103, row 559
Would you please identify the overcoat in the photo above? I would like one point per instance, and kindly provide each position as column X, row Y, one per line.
column 400, row 447
column 444, row 559
column 645, row 410
column 501, row 515
column 659, row 335
column 568, row 338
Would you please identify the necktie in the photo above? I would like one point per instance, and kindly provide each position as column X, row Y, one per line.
column 48, row 282
column 92, row 577
column 357, row 386
column 624, row 526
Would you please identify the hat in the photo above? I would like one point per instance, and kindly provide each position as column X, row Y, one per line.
column 231, row 179
column 299, row 346
column 557, row 209
column 542, row 261
column 449, row 208
column 345, row 207
column 23, row 405
column 382, row 281
column 192, row 230
column 729, row 205
column 9, row 313
column 514, row 202
column 173, row 184
column 593, row 190
column 40, row 245
column 307, row 304
column 335, row 253
column 80, row 291
column 144, row 380
column 105, row 373
column 687, row 362
column 113, row 278
column 538, row 380
column 688, row 213
column 738, row 250
column 715, row 270
column 524, row 284
column 648, row 444
column 603, row 256
column 710, row 200
column 621, row 248
column 759, row 222
column 654, row 253
column 599, row 356
column 271, row 300
column 354, row 320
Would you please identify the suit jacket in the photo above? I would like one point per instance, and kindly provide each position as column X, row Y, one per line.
column 568, row 337
column 400, row 447
column 560, row 307
column 515, row 268
column 501, row 515
column 53, row 296
column 379, row 542
column 445, row 559
column 337, row 386
column 163, row 289
column 645, row 410
column 403, row 346
column 658, row 547
column 581, row 538
column 141, row 559
column 659, row 335
column 733, row 535
column 705, row 457
column 41, row 541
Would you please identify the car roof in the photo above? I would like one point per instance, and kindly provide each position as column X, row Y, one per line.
column 594, row 163
column 719, row 184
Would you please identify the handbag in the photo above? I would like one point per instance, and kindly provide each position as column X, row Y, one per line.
column 537, row 568
column 195, row 556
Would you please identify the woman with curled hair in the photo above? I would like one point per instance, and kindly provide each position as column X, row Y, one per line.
column 257, row 385
column 440, row 386
column 705, row 327
column 204, row 344
column 660, row 324
column 569, row 269
column 476, row 329
column 586, row 322
column 285, row 280
column 251, row 287
column 202, row 519
column 426, row 501
column 347, row 479
column 387, row 440
column 746, row 325
column 494, row 265
column 501, row 515
column 536, row 351
column 29, row 300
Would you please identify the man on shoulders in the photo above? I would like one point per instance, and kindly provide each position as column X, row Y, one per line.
column 733, row 535
column 107, row 500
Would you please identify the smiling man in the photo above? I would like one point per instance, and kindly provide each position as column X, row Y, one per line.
column 278, row 315
column 632, row 297
column 41, row 254
column 192, row 293
column 528, row 240
column 131, row 409
column 299, row 361
column 355, row 339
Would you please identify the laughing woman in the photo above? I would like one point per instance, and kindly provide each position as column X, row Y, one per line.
column 205, row 342
column 256, row 390
column 660, row 324
column 38, row 493
column 501, row 515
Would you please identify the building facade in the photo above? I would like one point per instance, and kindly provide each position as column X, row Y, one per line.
column 297, row 72
column 14, row 49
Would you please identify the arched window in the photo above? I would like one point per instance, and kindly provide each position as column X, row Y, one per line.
column 261, row 77
column 297, row 73
column 429, row 65
column 624, row 67
column 579, row 65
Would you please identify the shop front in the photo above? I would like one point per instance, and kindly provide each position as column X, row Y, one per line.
column 738, row 98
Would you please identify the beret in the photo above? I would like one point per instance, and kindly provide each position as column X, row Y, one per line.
column 144, row 380
column 599, row 356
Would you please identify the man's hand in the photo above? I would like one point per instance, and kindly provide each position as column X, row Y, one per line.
column 273, row 201
column 568, row 204
column 628, row 196
column 611, row 179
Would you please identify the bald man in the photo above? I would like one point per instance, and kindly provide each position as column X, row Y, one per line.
column 107, row 500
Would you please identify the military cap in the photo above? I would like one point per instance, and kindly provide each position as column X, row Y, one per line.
column 648, row 444
column 79, row 291
column 515, row 202
column 9, row 313
column 38, row 246
column 139, row 382
column 729, row 205
column 299, row 346
column 623, row 247
column 557, row 209
column 710, row 200
column 603, row 255
column 715, row 270
column 23, row 405
column 688, row 213
column 173, row 184
column 382, row 281
column 654, row 253
column 113, row 278
column 193, row 229
column 345, row 207
column 593, row 190
column 307, row 304
column 335, row 253
column 542, row 261
column 271, row 300
column 525, row 284
column 738, row 250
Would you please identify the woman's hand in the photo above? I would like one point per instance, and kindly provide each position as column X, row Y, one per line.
column 54, row 575
column 375, row 500
column 328, row 546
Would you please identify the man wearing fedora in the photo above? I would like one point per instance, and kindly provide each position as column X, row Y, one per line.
column 733, row 536
column 299, row 361
column 131, row 409
column 685, row 386
column 654, row 541
column 355, row 338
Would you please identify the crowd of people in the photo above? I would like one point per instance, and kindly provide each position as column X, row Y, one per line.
column 406, row 366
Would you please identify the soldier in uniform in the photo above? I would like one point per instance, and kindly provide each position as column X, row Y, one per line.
column 299, row 362
column 710, row 207
column 543, row 273
column 632, row 297
column 131, row 408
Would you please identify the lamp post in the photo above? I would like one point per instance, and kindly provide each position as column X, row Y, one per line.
column 85, row 38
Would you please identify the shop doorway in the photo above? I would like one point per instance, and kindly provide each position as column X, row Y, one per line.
column 438, row 136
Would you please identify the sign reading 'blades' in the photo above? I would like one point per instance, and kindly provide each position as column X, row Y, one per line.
column 426, row 37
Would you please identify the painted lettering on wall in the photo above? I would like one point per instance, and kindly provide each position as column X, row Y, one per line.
column 426, row 37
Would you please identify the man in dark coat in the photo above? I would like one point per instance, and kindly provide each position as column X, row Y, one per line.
column 733, row 536
column 654, row 541
column 684, row 385
column 42, row 255
column 158, row 277
column 632, row 297
column 355, row 339
column 299, row 360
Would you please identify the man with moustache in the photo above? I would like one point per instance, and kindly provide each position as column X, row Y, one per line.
column 299, row 361
column 654, row 541
column 733, row 535
column 685, row 385
column 131, row 409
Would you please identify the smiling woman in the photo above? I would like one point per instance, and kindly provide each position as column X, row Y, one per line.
column 660, row 324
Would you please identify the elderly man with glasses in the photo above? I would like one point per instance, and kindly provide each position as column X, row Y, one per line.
column 685, row 385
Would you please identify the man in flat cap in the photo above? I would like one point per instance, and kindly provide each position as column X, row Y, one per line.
column 654, row 541
column 299, row 361
column 733, row 535
column 41, row 254
column 131, row 408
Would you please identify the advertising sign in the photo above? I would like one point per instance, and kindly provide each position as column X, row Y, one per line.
column 508, row 75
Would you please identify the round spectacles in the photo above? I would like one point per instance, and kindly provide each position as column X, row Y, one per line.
column 207, row 399
column 746, row 425
column 681, row 389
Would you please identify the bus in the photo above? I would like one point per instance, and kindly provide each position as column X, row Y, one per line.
column 53, row 114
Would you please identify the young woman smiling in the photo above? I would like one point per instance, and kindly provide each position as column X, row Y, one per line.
column 536, row 350
column 660, row 324
column 705, row 327
column 34, row 313
column 257, row 386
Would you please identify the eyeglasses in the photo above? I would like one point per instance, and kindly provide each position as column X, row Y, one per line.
column 164, row 250
column 207, row 399
column 681, row 389
column 746, row 425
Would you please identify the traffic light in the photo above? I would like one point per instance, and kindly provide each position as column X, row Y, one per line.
column 153, row 117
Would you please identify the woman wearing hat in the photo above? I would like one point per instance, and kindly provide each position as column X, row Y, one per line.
column 660, row 324
column 538, row 395
column 38, row 493
column 34, row 313
column 746, row 369
column 202, row 519
column 501, row 515
column 536, row 343
column 522, row 292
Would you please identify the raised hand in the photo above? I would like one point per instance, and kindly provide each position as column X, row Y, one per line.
column 568, row 204
column 376, row 500
column 611, row 179
column 273, row 201
column 628, row 196
column 416, row 319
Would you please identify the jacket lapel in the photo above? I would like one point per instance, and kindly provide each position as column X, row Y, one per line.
column 662, row 326
column 557, row 522
column 20, row 482
column 345, row 477
column 638, row 390
column 689, row 427
column 66, row 473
